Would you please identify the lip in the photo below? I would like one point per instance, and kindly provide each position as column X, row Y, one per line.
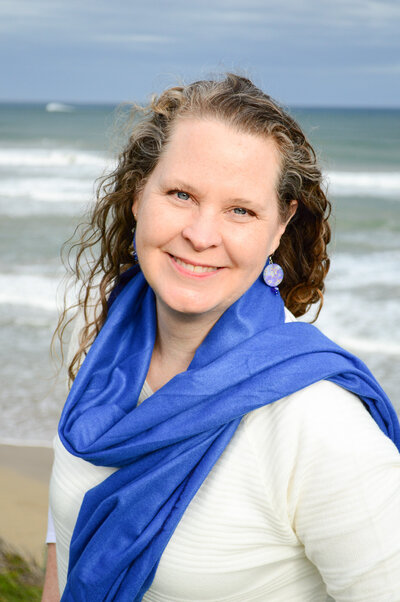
column 181, row 269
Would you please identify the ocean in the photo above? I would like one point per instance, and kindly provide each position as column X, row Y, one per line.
column 49, row 161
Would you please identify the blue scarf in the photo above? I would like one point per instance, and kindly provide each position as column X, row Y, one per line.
column 167, row 445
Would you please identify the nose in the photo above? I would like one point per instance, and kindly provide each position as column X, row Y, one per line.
column 203, row 231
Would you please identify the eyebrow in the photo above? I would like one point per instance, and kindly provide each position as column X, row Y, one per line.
column 173, row 183
column 181, row 185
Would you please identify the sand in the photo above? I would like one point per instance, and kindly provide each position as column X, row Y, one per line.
column 24, row 484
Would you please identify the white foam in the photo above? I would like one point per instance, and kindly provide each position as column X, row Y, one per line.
column 30, row 290
column 377, row 269
column 37, row 157
column 34, row 289
column 362, row 322
column 361, row 309
column 32, row 180
column 371, row 184
column 59, row 107
column 369, row 345
column 54, row 190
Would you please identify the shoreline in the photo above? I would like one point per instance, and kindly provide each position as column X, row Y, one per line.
column 45, row 444
column 24, row 484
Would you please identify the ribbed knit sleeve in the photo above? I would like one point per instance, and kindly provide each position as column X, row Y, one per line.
column 335, row 478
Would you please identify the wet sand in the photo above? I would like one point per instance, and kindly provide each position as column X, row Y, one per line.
column 24, row 481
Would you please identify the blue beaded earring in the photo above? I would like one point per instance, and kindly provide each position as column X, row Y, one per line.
column 273, row 275
column 135, row 255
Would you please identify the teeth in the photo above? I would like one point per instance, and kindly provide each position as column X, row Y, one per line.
column 197, row 269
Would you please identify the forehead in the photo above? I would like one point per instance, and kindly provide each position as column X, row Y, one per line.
column 210, row 150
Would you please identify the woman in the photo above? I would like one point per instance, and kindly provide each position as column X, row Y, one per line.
column 211, row 447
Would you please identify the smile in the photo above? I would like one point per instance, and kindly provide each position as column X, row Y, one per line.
column 193, row 268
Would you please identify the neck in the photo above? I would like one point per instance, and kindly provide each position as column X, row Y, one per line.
column 178, row 337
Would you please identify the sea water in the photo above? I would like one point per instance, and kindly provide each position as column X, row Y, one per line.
column 49, row 162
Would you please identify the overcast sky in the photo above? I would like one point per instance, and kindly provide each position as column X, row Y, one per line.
column 303, row 52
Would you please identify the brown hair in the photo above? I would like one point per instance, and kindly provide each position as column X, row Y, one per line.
column 237, row 101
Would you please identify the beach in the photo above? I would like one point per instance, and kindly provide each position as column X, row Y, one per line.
column 24, row 482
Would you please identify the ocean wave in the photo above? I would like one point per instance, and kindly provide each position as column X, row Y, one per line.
column 36, row 157
column 371, row 184
column 59, row 107
column 53, row 190
column 364, row 323
column 31, row 291
column 359, row 344
column 376, row 270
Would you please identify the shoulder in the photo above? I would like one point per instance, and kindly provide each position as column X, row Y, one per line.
column 320, row 409
column 320, row 447
column 322, row 415
column 322, row 418
column 319, row 432
column 312, row 410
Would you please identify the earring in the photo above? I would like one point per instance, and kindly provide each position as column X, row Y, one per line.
column 135, row 256
column 273, row 275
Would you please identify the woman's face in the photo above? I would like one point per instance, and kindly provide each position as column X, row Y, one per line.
column 208, row 218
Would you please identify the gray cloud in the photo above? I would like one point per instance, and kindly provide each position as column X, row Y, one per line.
column 306, row 48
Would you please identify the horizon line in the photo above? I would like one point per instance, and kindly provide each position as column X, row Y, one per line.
column 115, row 104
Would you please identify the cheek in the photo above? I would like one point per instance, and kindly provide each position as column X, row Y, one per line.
column 152, row 226
column 159, row 217
column 252, row 249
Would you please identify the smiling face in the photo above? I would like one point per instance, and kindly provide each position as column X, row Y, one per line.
column 207, row 217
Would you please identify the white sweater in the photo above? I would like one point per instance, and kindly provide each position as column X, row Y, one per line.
column 304, row 501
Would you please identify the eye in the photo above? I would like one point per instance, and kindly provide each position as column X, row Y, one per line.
column 241, row 211
column 183, row 196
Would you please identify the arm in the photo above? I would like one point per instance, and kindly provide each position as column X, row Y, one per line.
column 51, row 592
column 346, row 501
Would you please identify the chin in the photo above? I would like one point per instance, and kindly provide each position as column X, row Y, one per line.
column 192, row 309
column 189, row 306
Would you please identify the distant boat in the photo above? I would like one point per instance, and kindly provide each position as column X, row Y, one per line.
column 59, row 107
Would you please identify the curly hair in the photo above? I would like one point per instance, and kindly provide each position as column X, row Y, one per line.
column 107, row 235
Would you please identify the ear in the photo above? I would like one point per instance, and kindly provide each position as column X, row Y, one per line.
column 135, row 208
column 292, row 210
column 135, row 205
column 282, row 227
column 137, row 199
